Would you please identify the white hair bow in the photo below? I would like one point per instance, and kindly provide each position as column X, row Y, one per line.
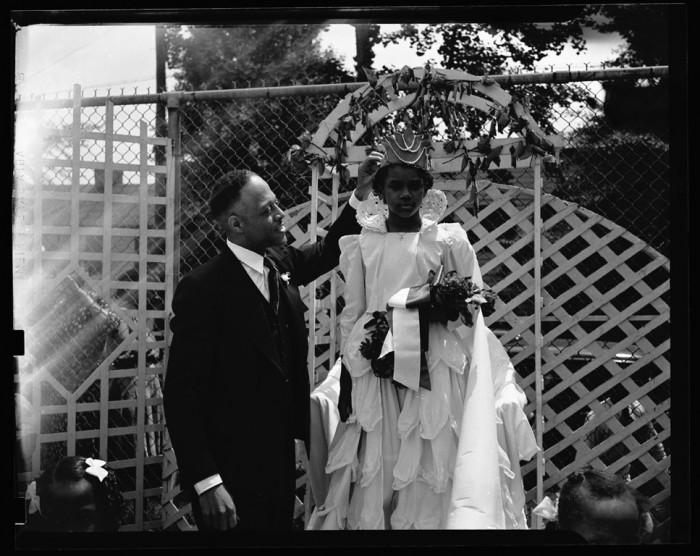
column 95, row 467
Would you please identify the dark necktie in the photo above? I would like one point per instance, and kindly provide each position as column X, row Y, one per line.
column 273, row 283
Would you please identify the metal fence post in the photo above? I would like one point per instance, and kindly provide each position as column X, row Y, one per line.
column 313, row 224
column 173, row 266
column 539, row 422
column 54, row 196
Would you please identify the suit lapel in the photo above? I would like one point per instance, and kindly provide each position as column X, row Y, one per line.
column 248, row 303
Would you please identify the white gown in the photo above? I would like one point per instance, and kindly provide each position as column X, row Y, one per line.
column 398, row 462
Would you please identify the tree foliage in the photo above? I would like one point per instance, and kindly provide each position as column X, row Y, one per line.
column 644, row 27
column 503, row 46
column 500, row 48
column 211, row 58
column 622, row 175
column 507, row 47
column 617, row 164
column 255, row 133
column 492, row 48
column 366, row 37
column 251, row 133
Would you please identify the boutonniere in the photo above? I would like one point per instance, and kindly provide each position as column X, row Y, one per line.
column 285, row 278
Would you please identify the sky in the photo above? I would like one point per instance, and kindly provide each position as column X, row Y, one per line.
column 120, row 59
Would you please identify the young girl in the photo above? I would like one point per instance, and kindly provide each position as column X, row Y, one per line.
column 75, row 494
column 435, row 442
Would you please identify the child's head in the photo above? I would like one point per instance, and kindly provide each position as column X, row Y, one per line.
column 79, row 494
column 402, row 186
column 602, row 508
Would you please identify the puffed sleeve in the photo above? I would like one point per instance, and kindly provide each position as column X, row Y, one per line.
column 352, row 267
column 460, row 254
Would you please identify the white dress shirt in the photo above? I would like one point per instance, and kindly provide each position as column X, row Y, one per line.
column 253, row 264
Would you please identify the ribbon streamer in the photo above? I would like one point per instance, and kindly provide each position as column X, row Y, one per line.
column 407, row 352
column 410, row 336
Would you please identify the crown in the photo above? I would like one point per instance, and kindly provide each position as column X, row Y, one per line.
column 407, row 147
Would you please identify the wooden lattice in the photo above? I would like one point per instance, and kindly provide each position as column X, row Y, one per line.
column 95, row 247
column 93, row 254
column 606, row 333
column 594, row 312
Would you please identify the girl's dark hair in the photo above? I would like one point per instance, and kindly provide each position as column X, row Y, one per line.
column 592, row 484
column 380, row 176
column 109, row 501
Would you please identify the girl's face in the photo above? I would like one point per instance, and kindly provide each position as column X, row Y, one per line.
column 70, row 506
column 403, row 191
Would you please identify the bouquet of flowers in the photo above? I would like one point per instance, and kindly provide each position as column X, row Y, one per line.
column 444, row 298
column 371, row 347
column 451, row 296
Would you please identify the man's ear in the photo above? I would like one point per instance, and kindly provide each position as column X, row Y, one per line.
column 236, row 223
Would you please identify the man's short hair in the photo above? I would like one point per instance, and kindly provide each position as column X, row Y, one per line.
column 228, row 190
column 593, row 484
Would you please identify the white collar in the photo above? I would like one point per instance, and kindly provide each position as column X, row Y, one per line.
column 246, row 256
column 372, row 212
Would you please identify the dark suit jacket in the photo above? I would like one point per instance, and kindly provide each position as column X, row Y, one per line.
column 233, row 403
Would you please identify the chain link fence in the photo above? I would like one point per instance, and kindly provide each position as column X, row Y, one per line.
column 617, row 168
column 91, row 317
column 219, row 136
column 621, row 174
column 615, row 163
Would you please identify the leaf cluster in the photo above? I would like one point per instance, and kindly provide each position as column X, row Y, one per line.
column 645, row 28
column 435, row 104
column 475, row 47
column 213, row 58
column 253, row 133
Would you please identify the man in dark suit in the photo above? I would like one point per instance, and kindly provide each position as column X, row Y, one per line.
column 237, row 389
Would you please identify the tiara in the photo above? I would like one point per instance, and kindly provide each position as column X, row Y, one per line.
column 408, row 148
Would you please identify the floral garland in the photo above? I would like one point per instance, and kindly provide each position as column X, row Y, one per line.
column 432, row 101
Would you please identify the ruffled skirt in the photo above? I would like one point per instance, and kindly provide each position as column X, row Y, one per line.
column 391, row 464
